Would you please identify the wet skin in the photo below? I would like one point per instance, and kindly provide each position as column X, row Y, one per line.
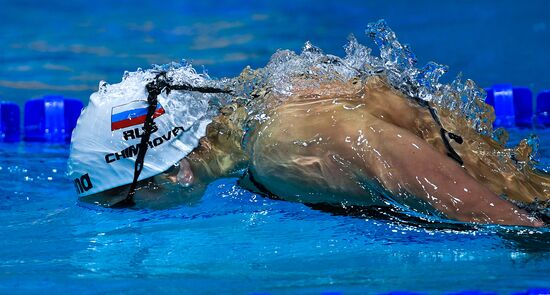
column 344, row 144
column 357, row 144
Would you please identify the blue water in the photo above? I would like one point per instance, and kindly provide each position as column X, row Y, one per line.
column 233, row 241
column 66, row 47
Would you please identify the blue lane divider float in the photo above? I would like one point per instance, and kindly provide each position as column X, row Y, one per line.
column 51, row 118
column 513, row 105
column 543, row 108
column 10, row 121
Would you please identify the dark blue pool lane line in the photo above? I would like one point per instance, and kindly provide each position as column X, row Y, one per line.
column 46, row 119
column 514, row 106
column 53, row 118
column 10, row 122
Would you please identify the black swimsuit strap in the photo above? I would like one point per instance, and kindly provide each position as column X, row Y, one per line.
column 250, row 183
column 457, row 138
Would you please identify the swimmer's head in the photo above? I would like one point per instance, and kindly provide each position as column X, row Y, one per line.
column 174, row 186
column 106, row 140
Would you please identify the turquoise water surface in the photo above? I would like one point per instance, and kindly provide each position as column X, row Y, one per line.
column 236, row 242
column 233, row 241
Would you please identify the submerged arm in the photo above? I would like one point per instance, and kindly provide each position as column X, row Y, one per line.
column 332, row 151
column 422, row 171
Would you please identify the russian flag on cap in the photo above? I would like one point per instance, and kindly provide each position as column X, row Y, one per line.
column 131, row 114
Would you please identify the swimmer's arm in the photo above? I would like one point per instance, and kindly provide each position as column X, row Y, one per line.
column 435, row 178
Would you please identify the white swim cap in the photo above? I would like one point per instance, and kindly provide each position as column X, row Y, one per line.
column 105, row 142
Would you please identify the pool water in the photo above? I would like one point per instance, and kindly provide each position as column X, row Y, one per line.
column 67, row 47
column 234, row 241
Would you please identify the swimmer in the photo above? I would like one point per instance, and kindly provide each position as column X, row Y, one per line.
column 342, row 142
column 354, row 143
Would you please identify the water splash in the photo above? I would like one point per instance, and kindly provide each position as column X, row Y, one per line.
column 396, row 63
column 400, row 66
